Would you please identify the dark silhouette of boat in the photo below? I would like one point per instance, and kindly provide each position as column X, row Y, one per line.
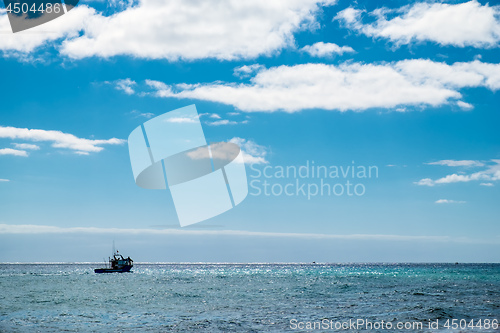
column 117, row 264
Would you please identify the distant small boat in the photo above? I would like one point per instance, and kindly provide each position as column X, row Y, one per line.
column 117, row 264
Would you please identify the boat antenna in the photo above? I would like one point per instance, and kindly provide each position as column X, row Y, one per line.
column 113, row 247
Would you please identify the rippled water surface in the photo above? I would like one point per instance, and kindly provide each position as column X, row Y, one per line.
column 242, row 297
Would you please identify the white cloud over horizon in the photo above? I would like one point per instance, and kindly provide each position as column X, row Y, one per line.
column 347, row 86
column 27, row 229
column 459, row 25
column 251, row 151
column 59, row 140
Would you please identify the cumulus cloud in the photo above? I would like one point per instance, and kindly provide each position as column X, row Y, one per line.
column 190, row 29
column 321, row 49
column 491, row 173
column 446, row 201
column 13, row 152
column 460, row 25
column 66, row 26
column 348, row 86
column 58, row 139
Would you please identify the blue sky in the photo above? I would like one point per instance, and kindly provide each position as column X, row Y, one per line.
column 411, row 88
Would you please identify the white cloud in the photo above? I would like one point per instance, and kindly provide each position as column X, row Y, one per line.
column 66, row 26
column 491, row 173
column 252, row 152
column 425, row 182
column 181, row 120
column 348, row 86
column 125, row 85
column 221, row 122
column 487, row 184
column 446, row 201
column 321, row 49
column 465, row 106
column 26, row 229
column 44, row 229
column 137, row 114
column 58, row 139
column 26, row 146
column 13, row 152
column 215, row 116
column 190, row 29
column 4, row 180
column 245, row 71
column 463, row 24
column 458, row 163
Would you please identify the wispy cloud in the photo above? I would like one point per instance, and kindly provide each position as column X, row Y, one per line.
column 4, row 180
column 247, row 70
column 252, row 152
column 460, row 25
column 125, row 85
column 13, row 152
column 458, row 163
column 137, row 114
column 58, row 139
column 26, row 146
column 321, row 49
column 487, row 184
column 43, row 229
column 446, row 201
column 491, row 173
column 348, row 86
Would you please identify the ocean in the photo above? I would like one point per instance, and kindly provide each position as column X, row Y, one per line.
column 251, row 298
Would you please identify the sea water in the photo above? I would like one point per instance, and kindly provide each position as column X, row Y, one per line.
column 249, row 297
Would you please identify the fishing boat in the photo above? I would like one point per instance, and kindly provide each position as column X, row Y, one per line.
column 117, row 264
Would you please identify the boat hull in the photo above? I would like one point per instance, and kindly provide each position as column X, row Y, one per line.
column 113, row 270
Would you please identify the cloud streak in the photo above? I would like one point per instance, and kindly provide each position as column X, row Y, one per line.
column 6, row 229
column 491, row 173
column 446, row 201
column 58, row 139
